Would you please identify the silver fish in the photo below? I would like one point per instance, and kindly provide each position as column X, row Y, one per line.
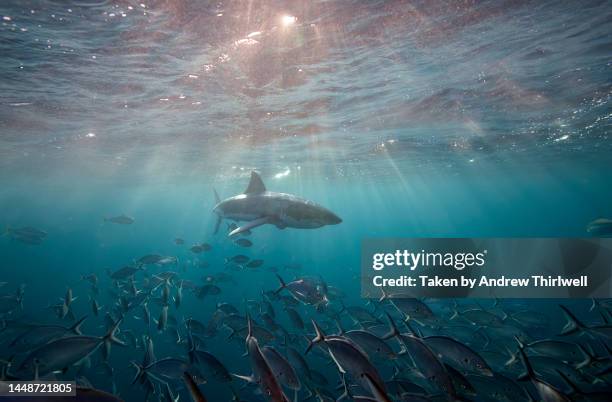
column 281, row 368
column 64, row 352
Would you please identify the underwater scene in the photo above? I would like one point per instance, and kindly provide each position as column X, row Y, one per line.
column 186, row 185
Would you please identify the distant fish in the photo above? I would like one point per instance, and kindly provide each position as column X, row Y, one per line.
column 179, row 241
column 207, row 290
column 26, row 235
column 255, row 263
column 42, row 334
column 123, row 273
column 150, row 259
column 26, row 231
column 198, row 248
column 169, row 368
column 304, row 290
column 237, row 259
column 64, row 352
column 600, row 227
column 242, row 242
column 120, row 220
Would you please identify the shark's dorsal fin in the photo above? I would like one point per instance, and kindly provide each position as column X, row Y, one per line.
column 256, row 185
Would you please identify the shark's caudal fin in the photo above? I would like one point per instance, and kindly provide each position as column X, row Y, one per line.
column 256, row 185
column 217, row 224
column 250, row 225
column 219, row 219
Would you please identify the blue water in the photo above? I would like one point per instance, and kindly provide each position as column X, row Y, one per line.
column 406, row 118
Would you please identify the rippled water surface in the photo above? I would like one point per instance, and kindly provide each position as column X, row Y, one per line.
column 177, row 88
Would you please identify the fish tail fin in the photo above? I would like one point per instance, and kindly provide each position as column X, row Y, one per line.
column 217, row 198
column 384, row 295
column 482, row 331
column 604, row 317
column 393, row 331
column 76, row 328
column 140, row 371
column 520, row 343
column 343, row 309
column 232, row 334
column 593, row 304
column 590, row 357
column 110, row 338
column 282, row 283
column 411, row 328
column 346, row 394
column 249, row 326
column 320, row 337
column 528, row 367
column 339, row 325
column 573, row 323
column 512, row 358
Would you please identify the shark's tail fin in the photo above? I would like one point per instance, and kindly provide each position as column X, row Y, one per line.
column 219, row 219
column 217, row 224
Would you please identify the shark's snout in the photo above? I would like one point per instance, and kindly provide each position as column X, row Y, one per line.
column 334, row 219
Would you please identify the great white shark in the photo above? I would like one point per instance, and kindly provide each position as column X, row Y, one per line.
column 257, row 207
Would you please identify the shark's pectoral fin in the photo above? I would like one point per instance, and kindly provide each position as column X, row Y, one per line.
column 250, row 225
